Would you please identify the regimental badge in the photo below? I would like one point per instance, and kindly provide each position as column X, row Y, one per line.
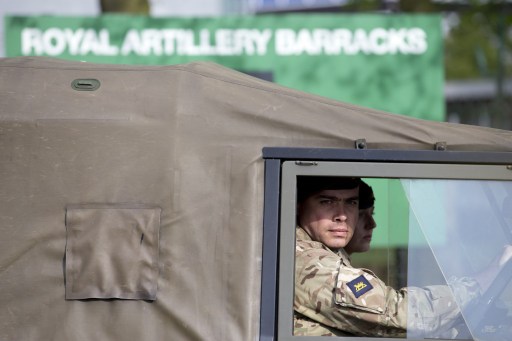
column 359, row 286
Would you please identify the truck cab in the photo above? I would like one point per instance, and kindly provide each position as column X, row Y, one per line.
column 440, row 215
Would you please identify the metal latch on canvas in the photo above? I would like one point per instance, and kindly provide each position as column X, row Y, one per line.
column 85, row 84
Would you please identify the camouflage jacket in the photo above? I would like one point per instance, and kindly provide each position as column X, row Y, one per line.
column 334, row 298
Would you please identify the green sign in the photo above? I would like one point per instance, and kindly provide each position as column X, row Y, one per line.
column 388, row 62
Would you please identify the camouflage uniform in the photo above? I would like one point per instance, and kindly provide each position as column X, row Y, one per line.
column 334, row 298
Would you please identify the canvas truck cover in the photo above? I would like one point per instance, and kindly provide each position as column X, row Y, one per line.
column 134, row 212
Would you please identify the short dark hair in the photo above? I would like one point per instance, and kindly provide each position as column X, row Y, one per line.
column 366, row 197
column 309, row 185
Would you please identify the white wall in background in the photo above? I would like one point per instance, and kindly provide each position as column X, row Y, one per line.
column 191, row 8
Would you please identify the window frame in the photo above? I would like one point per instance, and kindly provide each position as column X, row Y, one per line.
column 276, row 310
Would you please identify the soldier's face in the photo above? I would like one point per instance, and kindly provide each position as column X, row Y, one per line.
column 362, row 237
column 330, row 216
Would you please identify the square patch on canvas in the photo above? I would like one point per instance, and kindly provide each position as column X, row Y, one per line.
column 112, row 252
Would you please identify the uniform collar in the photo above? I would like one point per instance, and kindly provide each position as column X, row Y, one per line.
column 302, row 235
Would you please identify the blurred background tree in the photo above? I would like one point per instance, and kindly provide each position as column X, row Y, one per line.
column 125, row 6
column 478, row 34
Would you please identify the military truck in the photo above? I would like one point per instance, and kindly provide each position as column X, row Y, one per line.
column 158, row 202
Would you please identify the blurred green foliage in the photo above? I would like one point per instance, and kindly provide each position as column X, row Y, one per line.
column 478, row 40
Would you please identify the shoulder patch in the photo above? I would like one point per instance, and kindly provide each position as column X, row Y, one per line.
column 359, row 286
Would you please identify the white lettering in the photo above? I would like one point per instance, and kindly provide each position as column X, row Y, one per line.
column 73, row 38
column 285, row 42
column 360, row 42
column 31, row 41
column 132, row 43
column 105, row 48
column 188, row 46
column 417, row 39
column 342, row 39
column 378, row 38
column 225, row 42
column 54, row 42
column 169, row 37
column 205, row 47
column 306, row 43
column 151, row 42
column 378, row 41
column 324, row 41
column 89, row 42
column 261, row 39
column 241, row 41
column 396, row 41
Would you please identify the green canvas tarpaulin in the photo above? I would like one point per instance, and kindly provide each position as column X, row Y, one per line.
column 134, row 212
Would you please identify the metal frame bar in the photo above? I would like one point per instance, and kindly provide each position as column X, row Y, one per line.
column 270, row 250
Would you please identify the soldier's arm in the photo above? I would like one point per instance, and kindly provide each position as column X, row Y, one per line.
column 356, row 301
column 323, row 294
column 486, row 277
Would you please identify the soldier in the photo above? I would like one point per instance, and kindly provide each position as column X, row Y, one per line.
column 334, row 298
column 362, row 236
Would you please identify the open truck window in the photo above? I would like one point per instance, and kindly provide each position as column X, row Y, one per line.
column 439, row 222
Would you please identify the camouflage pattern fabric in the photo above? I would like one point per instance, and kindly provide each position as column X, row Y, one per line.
column 334, row 298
